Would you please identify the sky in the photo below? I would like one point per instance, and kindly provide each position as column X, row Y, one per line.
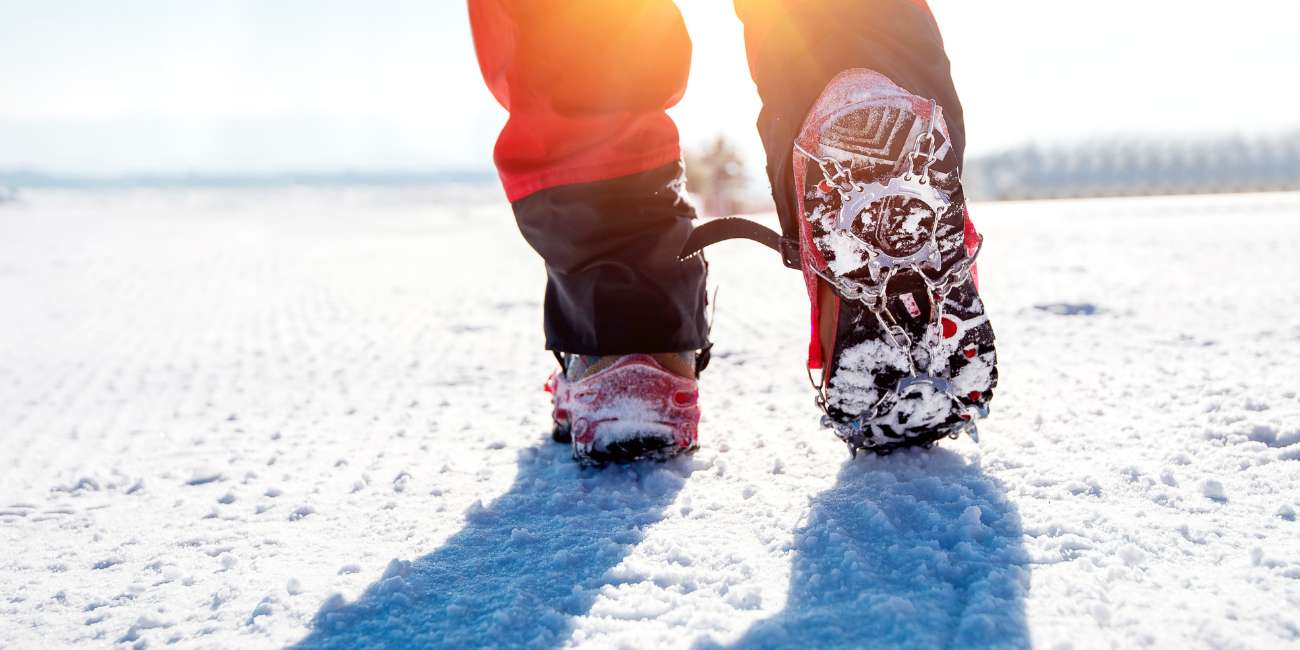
column 255, row 87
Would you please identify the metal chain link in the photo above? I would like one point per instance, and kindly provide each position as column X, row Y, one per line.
column 926, row 152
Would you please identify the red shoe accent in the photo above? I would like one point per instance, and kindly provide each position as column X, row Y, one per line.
column 972, row 240
column 949, row 328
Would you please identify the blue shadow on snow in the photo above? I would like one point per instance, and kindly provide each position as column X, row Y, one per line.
column 916, row 550
column 519, row 570
column 920, row 549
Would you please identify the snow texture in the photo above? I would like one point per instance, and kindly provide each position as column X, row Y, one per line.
column 315, row 419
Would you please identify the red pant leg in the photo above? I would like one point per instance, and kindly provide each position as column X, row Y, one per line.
column 586, row 83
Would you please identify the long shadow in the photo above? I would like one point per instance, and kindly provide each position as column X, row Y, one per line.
column 520, row 568
column 914, row 550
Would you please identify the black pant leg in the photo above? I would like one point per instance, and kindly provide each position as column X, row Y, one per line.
column 614, row 283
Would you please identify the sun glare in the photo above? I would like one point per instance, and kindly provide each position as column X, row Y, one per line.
column 720, row 98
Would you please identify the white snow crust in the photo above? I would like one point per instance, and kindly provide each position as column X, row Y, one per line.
column 314, row 419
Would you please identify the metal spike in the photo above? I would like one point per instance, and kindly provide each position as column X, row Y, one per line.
column 973, row 431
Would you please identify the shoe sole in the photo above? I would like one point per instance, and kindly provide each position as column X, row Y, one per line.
column 873, row 399
column 644, row 448
column 648, row 449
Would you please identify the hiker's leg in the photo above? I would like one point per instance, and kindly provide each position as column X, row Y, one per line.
column 590, row 162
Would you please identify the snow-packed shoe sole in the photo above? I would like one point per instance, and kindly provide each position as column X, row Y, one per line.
column 883, row 224
column 631, row 411
column 641, row 447
column 562, row 433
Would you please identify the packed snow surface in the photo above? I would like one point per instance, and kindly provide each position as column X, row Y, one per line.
column 316, row 419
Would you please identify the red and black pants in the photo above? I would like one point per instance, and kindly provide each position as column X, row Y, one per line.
column 590, row 160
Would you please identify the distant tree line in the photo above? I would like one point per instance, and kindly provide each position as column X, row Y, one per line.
column 715, row 175
column 1138, row 168
column 718, row 178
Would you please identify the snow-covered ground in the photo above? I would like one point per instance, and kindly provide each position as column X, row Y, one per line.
column 316, row 418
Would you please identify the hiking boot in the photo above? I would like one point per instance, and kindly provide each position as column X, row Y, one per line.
column 624, row 408
column 888, row 252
